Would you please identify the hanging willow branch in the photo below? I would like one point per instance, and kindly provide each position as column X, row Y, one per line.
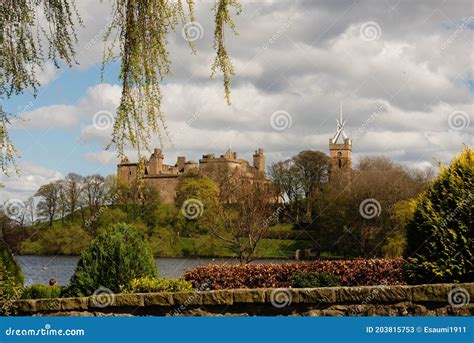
column 7, row 150
column 21, row 52
column 142, row 28
column 222, row 61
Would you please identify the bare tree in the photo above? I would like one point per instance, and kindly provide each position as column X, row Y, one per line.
column 48, row 203
column 94, row 194
column 73, row 192
column 244, row 221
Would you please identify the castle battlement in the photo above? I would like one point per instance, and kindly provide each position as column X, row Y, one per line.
column 164, row 177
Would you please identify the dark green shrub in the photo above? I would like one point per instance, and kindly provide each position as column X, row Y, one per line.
column 113, row 259
column 440, row 235
column 313, row 279
column 11, row 279
column 40, row 291
column 8, row 263
column 148, row 284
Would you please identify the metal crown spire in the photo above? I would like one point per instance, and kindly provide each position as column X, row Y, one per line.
column 339, row 127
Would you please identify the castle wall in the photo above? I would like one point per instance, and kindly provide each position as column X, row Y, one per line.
column 165, row 185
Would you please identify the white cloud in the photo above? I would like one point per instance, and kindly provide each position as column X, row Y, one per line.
column 31, row 177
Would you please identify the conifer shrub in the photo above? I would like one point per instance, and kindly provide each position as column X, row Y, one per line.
column 39, row 291
column 440, row 235
column 114, row 258
column 302, row 279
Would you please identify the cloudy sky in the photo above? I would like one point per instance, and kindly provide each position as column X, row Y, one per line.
column 401, row 69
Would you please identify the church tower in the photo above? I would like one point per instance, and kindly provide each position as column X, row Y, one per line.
column 340, row 154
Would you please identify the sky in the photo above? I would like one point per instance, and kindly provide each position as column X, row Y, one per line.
column 402, row 70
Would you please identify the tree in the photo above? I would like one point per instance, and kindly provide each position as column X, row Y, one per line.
column 73, row 192
column 397, row 239
column 49, row 201
column 144, row 57
column 197, row 199
column 300, row 180
column 346, row 225
column 94, row 195
column 312, row 172
column 440, row 235
column 113, row 260
column 243, row 220
column 285, row 178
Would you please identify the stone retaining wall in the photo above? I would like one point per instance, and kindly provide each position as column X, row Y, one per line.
column 430, row 300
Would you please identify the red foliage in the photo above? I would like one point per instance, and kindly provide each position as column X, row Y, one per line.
column 358, row 272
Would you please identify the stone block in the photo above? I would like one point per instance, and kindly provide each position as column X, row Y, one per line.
column 24, row 306
column 217, row 298
column 69, row 304
column 432, row 293
column 249, row 296
column 48, row 304
column 160, row 299
column 124, row 299
column 187, row 298
column 317, row 295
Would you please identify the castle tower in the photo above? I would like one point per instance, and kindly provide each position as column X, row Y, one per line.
column 156, row 162
column 340, row 154
column 259, row 162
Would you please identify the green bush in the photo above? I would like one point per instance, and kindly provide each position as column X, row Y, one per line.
column 313, row 279
column 11, row 279
column 8, row 263
column 114, row 258
column 148, row 284
column 440, row 235
column 40, row 291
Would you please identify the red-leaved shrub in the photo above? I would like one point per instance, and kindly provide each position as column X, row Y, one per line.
column 358, row 272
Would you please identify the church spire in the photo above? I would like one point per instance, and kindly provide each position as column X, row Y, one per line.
column 339, row 128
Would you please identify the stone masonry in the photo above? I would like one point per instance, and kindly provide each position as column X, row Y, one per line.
column 420, row 300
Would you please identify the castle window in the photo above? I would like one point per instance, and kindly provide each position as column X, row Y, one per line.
column 146, row 171
column 340, row 163
column 130, row 172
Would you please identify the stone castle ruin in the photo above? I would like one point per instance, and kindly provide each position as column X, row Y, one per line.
column 164, row 177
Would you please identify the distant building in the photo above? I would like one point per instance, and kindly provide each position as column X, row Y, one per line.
column 164, row 177
column 340, row 154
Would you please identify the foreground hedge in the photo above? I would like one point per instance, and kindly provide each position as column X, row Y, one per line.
column 358, row 272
